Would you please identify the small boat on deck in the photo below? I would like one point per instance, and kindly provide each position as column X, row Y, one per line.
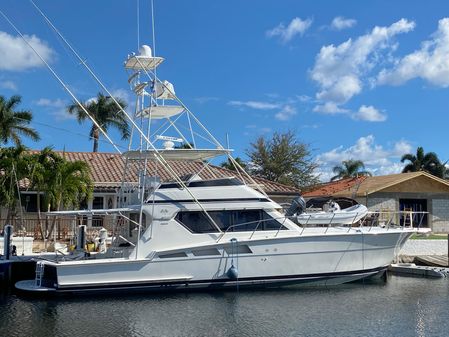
column 347, row 216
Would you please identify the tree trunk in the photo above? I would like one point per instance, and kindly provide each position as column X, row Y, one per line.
column 39, row 220
column 53, row 223
column 95, row 135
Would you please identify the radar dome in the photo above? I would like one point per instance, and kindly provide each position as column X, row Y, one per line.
column 145, row 51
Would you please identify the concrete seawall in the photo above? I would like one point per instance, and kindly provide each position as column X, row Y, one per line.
column 424, row 247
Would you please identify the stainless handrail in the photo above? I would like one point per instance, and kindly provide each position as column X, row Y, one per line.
column 255, row 229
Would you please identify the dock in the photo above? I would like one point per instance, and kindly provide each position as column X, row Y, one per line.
column 411, row 269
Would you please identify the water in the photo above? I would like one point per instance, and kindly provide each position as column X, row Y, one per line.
column 401, row 307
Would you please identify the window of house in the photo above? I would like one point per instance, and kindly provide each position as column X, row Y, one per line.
column 97, row 203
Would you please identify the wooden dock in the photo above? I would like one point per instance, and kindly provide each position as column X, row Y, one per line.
column 411, row 269
column 432, row 260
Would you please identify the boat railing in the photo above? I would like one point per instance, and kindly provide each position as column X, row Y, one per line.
column 372, row 219
column 259, row 222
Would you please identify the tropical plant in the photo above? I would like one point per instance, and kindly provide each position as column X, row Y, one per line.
column 15, row 124
column 282, row 159
column 422, row 161
column 68, row 186
column 42, row 167
column 350, row 169
column 228, row 164
column 105, row 112
column 14, row 168
column 185, row 145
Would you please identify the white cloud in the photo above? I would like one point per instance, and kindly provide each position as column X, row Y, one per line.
column 330, row 108
column 55, row 108
column 400, row 148
column 57, row 103
column 430, row 63
column 377, row 159
column 122, row 94
column 295, row 27
column 10, row 85
column 286, row 113
column 391, row 168
column 340, row 23
column 304, row 98
column 16, row 55
column 340, row 71
column 256, row 105
column 370, row 114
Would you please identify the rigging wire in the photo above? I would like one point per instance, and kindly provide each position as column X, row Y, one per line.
column 58, row 78
column 84, row 135
column 138, row 24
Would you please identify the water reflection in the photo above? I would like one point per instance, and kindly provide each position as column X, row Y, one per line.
column 402, row 307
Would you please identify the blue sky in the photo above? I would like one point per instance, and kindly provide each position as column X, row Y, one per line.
column 355, row 79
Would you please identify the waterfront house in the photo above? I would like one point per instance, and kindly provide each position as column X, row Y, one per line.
column 413, row 191
column 107, row 169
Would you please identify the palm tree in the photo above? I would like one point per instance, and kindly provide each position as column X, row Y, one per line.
column 422, row 161
column 42, row 169
column 350, row 168
column 69, row 185
column 105, row 112
column 14, row 124
column 14, row 167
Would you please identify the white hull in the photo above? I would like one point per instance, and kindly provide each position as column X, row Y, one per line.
column 310, row 260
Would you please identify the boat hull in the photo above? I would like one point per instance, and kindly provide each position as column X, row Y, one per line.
column 305, row 260
column 331, row 279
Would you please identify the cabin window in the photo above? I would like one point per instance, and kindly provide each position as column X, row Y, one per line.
column 196, row 222
column 231, row 221
column 134, row 217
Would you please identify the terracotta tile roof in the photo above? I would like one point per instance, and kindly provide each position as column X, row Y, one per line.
column 344, row 186
column 107, row 171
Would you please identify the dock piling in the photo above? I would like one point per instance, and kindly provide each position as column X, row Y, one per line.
column 7, row 242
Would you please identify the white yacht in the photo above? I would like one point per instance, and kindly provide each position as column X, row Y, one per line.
column 194, row 233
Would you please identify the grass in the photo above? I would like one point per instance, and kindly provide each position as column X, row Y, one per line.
column 429, row 237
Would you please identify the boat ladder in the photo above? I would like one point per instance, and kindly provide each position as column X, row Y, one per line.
column 40, row 266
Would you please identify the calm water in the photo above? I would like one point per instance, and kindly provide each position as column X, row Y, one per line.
column 401, row 307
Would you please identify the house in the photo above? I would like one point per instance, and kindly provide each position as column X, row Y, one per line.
column 414, row 191
column 107, row 171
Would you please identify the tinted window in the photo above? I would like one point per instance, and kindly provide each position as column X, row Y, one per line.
column 231, row 221
column 247, row 220
column 197, row 222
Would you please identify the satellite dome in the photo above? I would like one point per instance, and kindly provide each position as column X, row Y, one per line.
column 145, row 51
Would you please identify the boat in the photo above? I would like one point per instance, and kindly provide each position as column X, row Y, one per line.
column 329, row 214
column 196, row 233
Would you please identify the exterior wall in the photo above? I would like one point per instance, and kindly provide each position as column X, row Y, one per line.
column 440, row 215
column 386, row 203
column 437, row 206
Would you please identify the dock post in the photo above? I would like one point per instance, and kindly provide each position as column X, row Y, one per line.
column 448, row 250
column 81, row 238
column 7, row 242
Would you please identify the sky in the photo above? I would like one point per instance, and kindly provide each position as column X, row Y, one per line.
column 365, row 80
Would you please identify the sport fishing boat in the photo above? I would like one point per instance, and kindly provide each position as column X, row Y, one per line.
column 193, row 233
